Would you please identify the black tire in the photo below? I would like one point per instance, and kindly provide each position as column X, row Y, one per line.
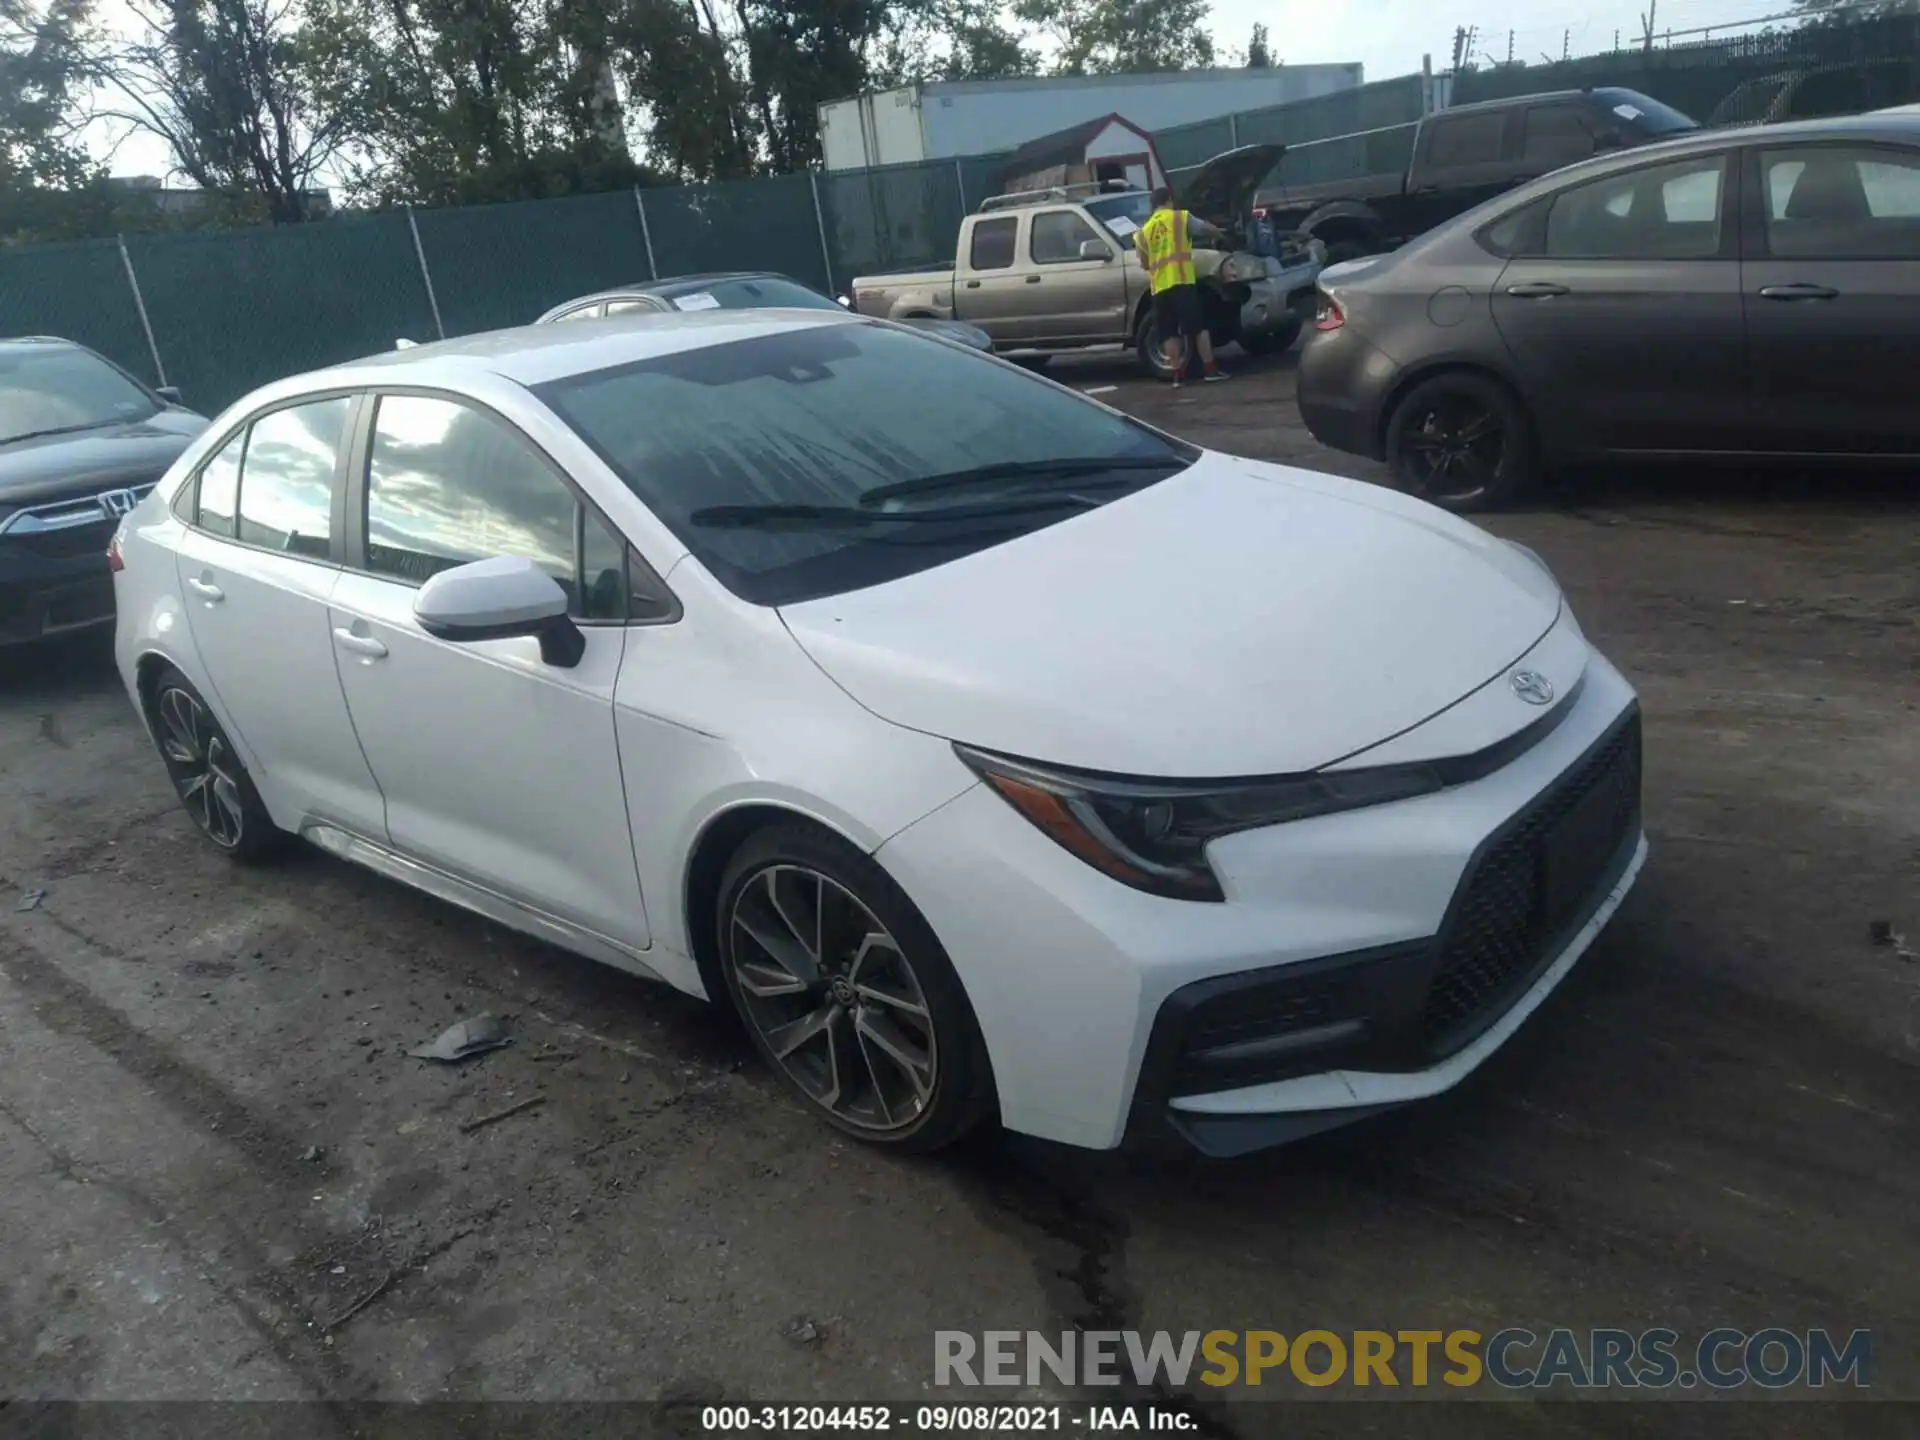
column 860, row 1057
column 1461, row 441
column 1339, row 250
column 1273, row 342
column 1147, row 349
column 207, row 772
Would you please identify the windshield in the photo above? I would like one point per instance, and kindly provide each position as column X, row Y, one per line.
column 1645, row 114
column 59, row 387
column 752, row 292
column 1122, row 214
column 804, row 429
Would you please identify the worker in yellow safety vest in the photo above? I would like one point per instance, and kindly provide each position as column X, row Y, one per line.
column 1165, row 244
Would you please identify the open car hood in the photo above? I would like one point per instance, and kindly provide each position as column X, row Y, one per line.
column 1222, row 193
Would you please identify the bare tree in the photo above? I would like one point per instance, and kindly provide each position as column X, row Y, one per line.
column 220, row 82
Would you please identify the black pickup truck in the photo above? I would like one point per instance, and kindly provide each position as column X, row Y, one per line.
column 1462, row 156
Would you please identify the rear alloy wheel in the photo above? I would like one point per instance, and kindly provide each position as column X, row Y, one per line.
column 847, row 994
column 1461, row 442
column 207, row 773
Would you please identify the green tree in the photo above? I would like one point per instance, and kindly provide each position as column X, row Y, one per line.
column 1110, row 37
column 42, row 71
column 1259, row 54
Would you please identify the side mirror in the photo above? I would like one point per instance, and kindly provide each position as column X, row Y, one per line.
column 499, row 599
column 1094, row 250
column 170, row 394
column 844, row 301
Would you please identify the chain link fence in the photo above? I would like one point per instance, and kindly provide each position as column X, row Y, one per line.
column 225, row 311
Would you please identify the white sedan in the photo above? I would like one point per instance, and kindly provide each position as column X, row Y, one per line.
column 993, row 755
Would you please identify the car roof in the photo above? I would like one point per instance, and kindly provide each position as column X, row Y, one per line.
column 32, row 342
column 534, row 354
column 674, row 285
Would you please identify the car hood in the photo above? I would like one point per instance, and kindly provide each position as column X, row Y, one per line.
column 1223, row 191
column 972, row 336
column 136, row 453
column 1237, row 619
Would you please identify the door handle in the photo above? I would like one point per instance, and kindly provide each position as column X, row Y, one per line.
column 1033, row 279
column 1798, row 291
column 359, row 644
column 206, row 590
column 973, row 285
column 1537, row 290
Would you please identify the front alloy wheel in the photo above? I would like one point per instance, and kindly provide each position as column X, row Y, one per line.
column 844, row 989
column 833, row 998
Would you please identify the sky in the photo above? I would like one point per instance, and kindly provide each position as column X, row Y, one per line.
column 1386, row 36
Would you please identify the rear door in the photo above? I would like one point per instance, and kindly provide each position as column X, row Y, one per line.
column 1073, row 300
column 497, row 767
column 258, row 561
column 1554, row 134
column 1621, row 307
column 1831, row 286
column 1462, row 160
column 990, row 289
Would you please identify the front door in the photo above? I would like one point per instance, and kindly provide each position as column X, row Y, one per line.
column 1074, row 299
column 497, row 767
column 257, row 564
column 1621, row 308
column 1832, row 303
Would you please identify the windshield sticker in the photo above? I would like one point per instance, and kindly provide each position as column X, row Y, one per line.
column 1628, row 112
column 699, row 300
column 1122, row 226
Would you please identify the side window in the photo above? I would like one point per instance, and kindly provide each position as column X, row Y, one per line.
column 1663, row 212
column 286, row 484
column 623, row 307
column 1057, row 236
column 1842, row 203
column 1467, row 139
column 585, row 312
column 1555, row 135
column 220, row 488
column 1520, row 232
column 447, row 484
column 993, row 243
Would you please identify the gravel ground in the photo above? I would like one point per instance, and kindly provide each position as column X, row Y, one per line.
column 221, row 1178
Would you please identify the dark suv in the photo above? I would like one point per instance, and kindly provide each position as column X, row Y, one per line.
column 81, row 441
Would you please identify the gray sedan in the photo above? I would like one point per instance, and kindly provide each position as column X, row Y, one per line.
column 1748, row 294
column 735, row 290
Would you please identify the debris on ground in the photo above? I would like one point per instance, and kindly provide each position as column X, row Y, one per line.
column 801, row 1330
column 465, row 1040
column 31, row 900
column 365, row 1300
column 1882, row 933
column 498, row 1115
column 311, row 1154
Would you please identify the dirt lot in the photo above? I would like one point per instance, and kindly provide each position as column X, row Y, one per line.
column 221, row 1178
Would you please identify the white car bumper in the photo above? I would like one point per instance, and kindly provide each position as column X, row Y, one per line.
column 1280, row 298
column 1362, row 959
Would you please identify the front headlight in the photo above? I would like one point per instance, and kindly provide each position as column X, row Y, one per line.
column 1153, row 835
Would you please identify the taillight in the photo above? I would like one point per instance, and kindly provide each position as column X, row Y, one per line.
column 1331, row 316
column 115, row 561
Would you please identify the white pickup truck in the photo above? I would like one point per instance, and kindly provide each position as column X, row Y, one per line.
column 1048, row 271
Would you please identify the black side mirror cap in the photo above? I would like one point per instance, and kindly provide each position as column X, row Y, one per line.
column 170, row 394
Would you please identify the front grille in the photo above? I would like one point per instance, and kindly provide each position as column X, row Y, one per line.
column 1508, row 916
column 65, row 543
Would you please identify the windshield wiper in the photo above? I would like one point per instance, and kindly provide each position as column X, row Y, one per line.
column 849, row 517
column 1072, row 468
column 57, row 430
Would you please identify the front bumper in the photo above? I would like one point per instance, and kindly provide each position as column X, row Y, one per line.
column 54, row 583
column 1361, row 959
column 1282, row 298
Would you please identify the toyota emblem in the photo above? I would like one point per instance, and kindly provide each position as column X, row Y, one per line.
column 1531, row 686
column 115, row 503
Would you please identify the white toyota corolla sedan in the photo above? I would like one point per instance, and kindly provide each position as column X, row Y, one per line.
column 993, row 754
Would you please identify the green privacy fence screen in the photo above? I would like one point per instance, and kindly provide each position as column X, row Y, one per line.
column 232, row 310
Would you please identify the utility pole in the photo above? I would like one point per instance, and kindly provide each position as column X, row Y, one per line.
column 1509, row 47
column 1646, row 24
column 1459, row 46
column 1566, row 43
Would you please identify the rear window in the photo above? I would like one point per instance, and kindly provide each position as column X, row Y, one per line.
column 821, row 417
column 752, row 292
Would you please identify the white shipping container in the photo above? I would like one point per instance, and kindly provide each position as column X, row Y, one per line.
column 948, row 119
